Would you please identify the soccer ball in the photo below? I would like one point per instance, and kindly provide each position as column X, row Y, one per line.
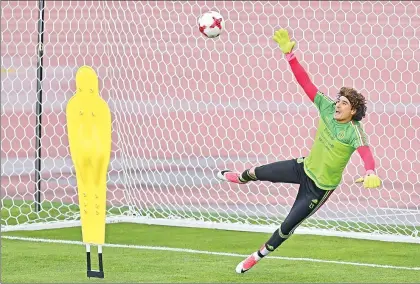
column 211, row 24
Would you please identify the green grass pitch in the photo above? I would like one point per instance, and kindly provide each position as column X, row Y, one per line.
column 302, row 258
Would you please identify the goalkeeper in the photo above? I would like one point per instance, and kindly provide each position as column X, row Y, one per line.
column 339, row 134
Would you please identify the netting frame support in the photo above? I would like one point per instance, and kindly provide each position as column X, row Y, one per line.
column 38, row 107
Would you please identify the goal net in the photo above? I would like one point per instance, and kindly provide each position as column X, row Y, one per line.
column 184, row 106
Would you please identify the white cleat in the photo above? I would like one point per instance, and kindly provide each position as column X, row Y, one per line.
column 246, row 264
column 228, row 175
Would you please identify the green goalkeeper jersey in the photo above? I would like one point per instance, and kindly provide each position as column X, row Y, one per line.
column 333, row 146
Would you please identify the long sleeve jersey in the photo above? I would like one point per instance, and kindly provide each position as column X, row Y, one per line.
column 334, row 142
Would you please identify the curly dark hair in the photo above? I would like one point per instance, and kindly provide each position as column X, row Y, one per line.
column 357, row 102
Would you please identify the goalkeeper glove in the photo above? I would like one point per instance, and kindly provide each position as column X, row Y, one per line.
column 370, row 180
column 282, row 38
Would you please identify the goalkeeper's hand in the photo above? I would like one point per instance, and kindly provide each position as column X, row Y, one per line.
column 370, row 180
column 282, row 38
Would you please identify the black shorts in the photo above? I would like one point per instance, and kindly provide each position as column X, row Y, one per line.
column 309, row 198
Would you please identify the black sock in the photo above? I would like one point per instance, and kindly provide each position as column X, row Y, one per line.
column 275, row 241
column 246, row 176
column 272, row 244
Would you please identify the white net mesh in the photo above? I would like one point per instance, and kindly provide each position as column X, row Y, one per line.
column 184, row 106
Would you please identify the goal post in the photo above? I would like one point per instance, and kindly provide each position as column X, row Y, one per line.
column 184, row 106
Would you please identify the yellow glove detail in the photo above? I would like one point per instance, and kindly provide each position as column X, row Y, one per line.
column 370, row 181
column 282, row 38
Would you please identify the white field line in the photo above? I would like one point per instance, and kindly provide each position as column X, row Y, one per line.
column 209, row 252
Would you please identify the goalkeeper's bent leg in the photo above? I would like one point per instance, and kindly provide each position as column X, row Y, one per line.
column 283, row 171
column 288, row 171
column 309, row 199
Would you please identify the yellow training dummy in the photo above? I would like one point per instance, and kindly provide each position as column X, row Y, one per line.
column 89, row 134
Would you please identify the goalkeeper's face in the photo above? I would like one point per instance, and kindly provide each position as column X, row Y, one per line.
column 343, row 110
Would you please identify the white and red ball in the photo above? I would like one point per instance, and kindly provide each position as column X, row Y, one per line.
column 211, row 24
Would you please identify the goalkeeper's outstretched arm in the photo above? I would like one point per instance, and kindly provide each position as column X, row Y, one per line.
column 301, row 76
column 282, row 38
